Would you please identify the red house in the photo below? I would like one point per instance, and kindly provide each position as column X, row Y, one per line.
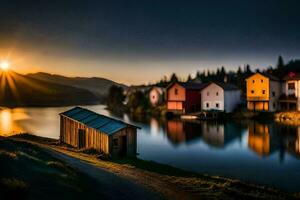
column 184, row 97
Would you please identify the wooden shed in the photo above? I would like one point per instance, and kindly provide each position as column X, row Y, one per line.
column 86, row 129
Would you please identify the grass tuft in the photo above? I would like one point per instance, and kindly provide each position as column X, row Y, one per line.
column 13, row 188
column 12, row 155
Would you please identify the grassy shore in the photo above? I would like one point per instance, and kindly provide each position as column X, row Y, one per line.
column 28, row 172
column 170, row 182
column 288, row 118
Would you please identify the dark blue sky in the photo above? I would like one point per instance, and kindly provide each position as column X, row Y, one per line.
column 122, row 39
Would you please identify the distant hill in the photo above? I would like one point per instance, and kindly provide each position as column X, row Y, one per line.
column 19, row 90
column 98, row 86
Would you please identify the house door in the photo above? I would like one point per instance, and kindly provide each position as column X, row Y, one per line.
column 123, row 150
column 81, row 138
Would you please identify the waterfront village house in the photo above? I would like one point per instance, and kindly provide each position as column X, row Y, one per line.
column 263, row 92
column 184, row 97
column 223, row 97
column 156, row 95
column 84, row 129
column 290, row 99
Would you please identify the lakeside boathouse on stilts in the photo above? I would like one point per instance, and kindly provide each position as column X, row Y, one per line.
column 85, row 129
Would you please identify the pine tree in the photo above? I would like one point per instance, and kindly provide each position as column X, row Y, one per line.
column 239, row 71
column 248, row 69
column 280, row 62
column 174, row 78
column 280, row 71
column 189, row 78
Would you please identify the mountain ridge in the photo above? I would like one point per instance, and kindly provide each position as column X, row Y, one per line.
column 19, row 90
column 97, row 85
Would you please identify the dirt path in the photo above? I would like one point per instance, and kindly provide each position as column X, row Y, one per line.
column 126, row 181
column 112, row 185
column 130, row 181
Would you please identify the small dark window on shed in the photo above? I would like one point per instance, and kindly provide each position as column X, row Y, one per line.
column 207, row 105
column 273, row 94
column 176, row 91
column 217, row 93
column 115, row 142
column 261, row 80
column 252, row 91
column 217, row 105
column 264, row 91
column 253, row 81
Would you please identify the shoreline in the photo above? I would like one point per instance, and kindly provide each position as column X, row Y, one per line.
column 161, row 178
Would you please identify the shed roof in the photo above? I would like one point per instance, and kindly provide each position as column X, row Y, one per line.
column 97, row 121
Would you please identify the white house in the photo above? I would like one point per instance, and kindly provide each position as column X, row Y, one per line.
column 220, row 96
column 156, row 95
column 290, row 99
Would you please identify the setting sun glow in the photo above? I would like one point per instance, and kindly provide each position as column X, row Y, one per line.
column 4, row 65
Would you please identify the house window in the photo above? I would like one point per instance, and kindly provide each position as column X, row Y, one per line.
column 115, row 142
column 207, row 93
column 261, row 80
column 176, row 91
column 291, row 86
column 217, row 105
column 217, row 93
column 253, row 81
column 207, row 105
column 252, row 91
column 273, row 94
column 264, row 91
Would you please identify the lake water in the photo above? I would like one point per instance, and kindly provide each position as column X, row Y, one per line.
column 253, row 151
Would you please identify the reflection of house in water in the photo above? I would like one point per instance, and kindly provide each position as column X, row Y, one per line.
column 155, row 126
column 261, row 138
column 214, row 134
column 219, row 134
column 182, row 131
column 292, row 139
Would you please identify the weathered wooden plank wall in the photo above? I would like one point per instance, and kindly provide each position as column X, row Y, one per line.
column 94, row 139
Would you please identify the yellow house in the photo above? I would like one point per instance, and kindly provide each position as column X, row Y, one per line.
column 263, row 92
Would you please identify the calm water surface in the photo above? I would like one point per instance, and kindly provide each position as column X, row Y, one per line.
column 254, row 151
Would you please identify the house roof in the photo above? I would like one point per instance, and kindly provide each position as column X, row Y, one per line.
column 292, row 76
column 97, row 121
column 160, row 90
column 225, row 86
column 271, row 77
column 190, row 85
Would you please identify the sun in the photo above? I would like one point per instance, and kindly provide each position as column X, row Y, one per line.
column 4, row 65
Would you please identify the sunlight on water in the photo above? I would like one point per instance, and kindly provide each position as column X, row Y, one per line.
column 39, row 121
column 8, row 122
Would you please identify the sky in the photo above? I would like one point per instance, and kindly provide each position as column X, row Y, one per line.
column 140, row 41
